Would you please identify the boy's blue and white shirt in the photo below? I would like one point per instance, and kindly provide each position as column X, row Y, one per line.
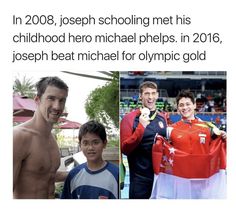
column 82, row 183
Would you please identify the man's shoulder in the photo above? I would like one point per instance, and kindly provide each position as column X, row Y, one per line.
column 23, row 134
column 131, row 115
column 24, row 129
column 20, row 132
column 163, row 115
column 177, row 124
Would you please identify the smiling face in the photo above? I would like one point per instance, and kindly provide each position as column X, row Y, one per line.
column 149, row 97
column 52, row 103
column 92, row 146
column 186, row 108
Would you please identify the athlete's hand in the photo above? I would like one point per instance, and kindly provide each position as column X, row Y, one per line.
column 144, row 120
column 223, row 134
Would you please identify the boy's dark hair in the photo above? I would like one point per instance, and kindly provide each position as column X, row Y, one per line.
column 44, row 82
column 147, row 84
column 185, row 94
column 93, row 127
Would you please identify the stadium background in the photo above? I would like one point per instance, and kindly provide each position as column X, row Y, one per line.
column 209, row 88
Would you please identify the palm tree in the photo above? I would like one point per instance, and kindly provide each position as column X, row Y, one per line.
column 24, row 87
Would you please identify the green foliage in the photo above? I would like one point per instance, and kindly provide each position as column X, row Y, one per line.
column 103, row 102
column 63, row 141
column 24, row 87
column 58, row 190
column 113, row 143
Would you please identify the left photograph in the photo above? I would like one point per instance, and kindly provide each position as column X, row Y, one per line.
column 66, row 135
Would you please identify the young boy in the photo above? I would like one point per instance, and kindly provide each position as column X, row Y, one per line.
column 96, row 179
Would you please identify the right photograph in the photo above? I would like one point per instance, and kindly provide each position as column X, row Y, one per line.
column 173, row 134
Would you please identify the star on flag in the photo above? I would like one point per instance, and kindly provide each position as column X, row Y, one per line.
column 172, row 150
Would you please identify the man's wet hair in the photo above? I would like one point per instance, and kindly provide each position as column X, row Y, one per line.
column 147, row 84
column 185, row 94
column 93, row 127
column 44, row 82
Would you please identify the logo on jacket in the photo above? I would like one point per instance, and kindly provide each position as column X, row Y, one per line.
column 102, row 197
column 161, row 125
column 202, row 138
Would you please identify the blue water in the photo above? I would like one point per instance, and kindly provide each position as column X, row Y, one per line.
column 125, row 191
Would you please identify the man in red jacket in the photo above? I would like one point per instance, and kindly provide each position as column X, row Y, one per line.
column 137, row 131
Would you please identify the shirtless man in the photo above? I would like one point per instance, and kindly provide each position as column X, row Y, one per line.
column 36, row 156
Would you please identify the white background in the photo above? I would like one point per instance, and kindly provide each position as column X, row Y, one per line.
column 206, row 16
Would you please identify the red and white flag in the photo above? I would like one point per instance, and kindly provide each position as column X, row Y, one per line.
column 180, row 175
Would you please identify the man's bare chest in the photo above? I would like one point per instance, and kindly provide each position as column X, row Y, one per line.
column 43, row 156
